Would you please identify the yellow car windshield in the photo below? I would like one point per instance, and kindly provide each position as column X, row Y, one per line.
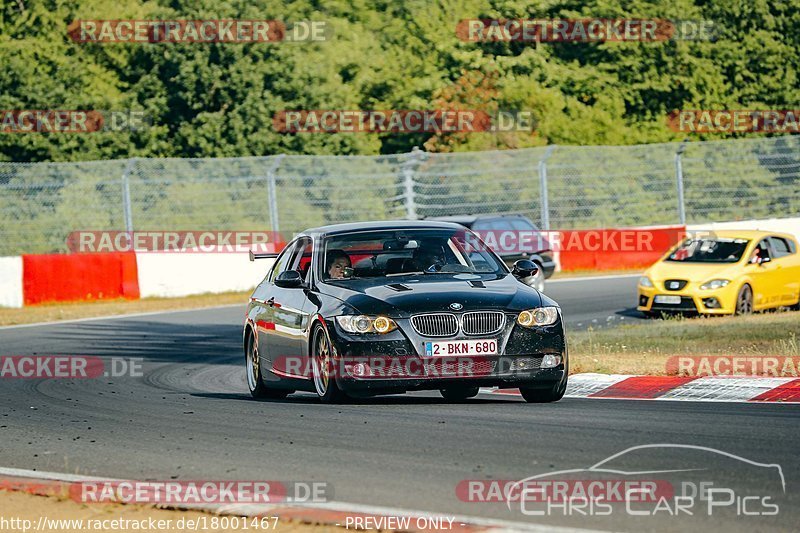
column 709, row 251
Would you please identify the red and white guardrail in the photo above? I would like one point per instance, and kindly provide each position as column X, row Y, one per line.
column 35, row 279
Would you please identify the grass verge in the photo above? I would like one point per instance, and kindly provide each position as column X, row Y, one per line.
column 67, row 311
column 593, row 273
column 62, row 514
column 644, row 349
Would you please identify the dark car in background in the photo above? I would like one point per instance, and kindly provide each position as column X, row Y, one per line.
column 388, row 307
column 536, row 249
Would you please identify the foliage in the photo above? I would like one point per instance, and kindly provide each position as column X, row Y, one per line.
column 217, row 100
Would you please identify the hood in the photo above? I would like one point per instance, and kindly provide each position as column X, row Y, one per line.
column 406, row 295
column 693, row 272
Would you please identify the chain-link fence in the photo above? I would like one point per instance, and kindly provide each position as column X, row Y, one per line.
column 560, row 187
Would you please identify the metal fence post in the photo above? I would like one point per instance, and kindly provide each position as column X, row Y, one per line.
column 272, row 194
column 409, row 167
column 126, row 195
column 679, row 180
column 544, row 201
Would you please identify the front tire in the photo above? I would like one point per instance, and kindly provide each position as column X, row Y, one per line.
column 551, row 394
column 796, row 307
column 323, row 368
column 255, row 381
column 459, row 394
column 744, row 301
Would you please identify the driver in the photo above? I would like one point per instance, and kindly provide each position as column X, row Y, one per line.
column 336, row 262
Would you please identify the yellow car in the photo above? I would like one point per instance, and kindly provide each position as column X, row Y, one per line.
column 723, row 273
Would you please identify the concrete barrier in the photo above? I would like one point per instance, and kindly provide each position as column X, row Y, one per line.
column 11, row 282
column 75, row 277
column 184, row 274
column 32, row 279
column 615, row 248
column 782, row 225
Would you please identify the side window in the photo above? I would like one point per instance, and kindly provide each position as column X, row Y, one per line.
column 282, row 262
column 780, row 246
column 493, row 224
column 302, row 262
column 521, row 224
column 761, row 251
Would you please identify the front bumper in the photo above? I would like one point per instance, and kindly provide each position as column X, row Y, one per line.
column 693, row 300
column 397, row 362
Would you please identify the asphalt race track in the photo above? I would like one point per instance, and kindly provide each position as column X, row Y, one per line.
column 596, row 301
column 190, row 417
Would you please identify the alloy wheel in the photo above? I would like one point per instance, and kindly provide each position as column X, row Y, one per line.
column 744, row 302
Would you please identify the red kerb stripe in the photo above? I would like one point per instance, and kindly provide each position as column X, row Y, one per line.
column 644, row 387
column 788, row 392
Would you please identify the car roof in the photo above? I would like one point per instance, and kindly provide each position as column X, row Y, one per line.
column 382, row 225
column 749, row 234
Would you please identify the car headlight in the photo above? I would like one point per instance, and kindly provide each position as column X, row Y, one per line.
column 644, row 281
column 714, row 284
column 541, row 316
column 366, row 324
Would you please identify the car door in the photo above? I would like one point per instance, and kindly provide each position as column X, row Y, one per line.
column 762, row 273
column 787, row 269
column 262, row 311
column 286, row 339
column 263, row 301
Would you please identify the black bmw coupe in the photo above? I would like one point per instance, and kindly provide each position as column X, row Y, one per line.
column 388, row 307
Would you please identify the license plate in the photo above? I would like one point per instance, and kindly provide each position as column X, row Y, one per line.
column 665, row 299
column 465, row 347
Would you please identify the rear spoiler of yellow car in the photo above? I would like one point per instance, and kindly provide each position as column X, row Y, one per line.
column 260, row 255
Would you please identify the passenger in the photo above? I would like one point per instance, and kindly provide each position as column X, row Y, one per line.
column 428, row 257
column 336, row 261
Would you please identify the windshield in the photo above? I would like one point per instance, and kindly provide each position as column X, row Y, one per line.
column 709, row 251
column 394, row 253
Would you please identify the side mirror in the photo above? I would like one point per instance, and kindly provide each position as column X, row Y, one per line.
column 524, row 268
column 289, row 279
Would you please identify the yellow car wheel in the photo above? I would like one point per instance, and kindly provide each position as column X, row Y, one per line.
column 744, row 301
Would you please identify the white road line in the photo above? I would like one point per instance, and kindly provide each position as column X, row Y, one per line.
column 115, row 317
column 356, row 508
column 590, row 278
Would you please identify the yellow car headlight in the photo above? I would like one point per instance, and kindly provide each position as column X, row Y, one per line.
column 644, row 281
column 714, row 284
column 366, row 324
column 541, row 316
